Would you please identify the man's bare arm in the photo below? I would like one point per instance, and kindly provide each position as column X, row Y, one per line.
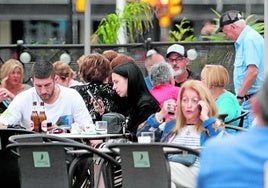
column 249, row 80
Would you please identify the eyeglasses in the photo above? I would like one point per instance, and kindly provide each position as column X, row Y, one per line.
column 185, row 100
column 179, row 58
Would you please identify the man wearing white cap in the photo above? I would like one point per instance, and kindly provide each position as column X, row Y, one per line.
column 177, row 58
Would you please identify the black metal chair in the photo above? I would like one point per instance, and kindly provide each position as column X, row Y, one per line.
column 240, row 117
column 9, row 173
column 236, row 128
column 50, row 161
column 222, row 116
column 146, row 165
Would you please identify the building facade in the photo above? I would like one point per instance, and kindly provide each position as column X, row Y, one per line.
column 57, row 21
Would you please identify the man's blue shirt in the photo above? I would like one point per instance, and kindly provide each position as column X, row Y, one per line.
column 249, row 49
column 234, row 161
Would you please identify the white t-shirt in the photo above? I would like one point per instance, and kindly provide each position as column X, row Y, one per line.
column 69, row 103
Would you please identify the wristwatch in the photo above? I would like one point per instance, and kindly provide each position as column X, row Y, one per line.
column 238, row 97
column 157, row 118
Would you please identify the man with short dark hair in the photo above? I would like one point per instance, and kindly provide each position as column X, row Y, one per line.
column 177, row 58
column 59, row 101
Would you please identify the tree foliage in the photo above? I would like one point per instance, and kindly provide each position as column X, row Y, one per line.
column 182, row 32
column 137, row 16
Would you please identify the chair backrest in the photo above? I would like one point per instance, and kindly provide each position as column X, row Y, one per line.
column 46, row 160
column 9, row 172
column 144, row 165
column 241, row 117
column 236, row 128
column 45, row 165
column 222, row 116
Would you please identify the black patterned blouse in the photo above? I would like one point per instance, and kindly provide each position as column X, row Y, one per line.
column 100, row 91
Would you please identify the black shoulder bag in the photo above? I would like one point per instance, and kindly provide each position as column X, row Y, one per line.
column 116, row 122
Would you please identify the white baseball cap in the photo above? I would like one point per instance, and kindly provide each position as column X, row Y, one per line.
column 151, row 52
column 177, row 48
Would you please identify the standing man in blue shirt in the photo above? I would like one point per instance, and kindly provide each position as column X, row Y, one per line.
column 248, row 72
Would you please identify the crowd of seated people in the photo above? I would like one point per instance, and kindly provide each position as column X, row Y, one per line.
column 58, row 100
column 113, row 82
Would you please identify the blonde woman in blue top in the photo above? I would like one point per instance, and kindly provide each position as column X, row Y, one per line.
column 216, row 78
column 194, row 123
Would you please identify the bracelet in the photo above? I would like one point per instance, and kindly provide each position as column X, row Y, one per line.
column 157, row 119
column 218, row 124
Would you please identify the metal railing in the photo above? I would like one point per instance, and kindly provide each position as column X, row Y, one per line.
column 208, row 52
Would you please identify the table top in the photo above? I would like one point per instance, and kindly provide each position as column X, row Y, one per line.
column 90, row 136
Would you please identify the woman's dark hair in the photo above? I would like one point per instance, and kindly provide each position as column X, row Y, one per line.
column 136, row 84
